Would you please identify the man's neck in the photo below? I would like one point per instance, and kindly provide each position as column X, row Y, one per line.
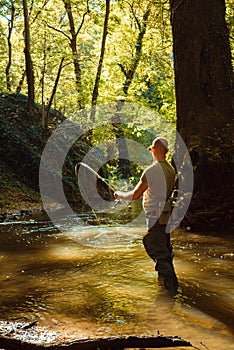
column 159, row 159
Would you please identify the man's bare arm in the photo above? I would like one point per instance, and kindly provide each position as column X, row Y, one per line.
column 133, row 195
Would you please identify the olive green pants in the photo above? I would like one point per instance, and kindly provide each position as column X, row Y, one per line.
column 158, row 247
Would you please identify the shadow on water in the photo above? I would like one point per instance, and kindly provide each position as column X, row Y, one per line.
column 212, row 303
column 97, row 281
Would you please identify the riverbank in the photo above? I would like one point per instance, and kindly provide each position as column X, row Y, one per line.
column 16, row 196
column 22, row 142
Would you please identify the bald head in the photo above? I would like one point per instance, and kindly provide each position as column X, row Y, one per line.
column 160, row 145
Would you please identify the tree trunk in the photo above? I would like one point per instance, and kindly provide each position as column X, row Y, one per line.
column 99, row 70
column 129, row 73
column 10, row 28
column 121, row 144
column 53, row 93
column 73, row 45
column 202, row 66
column 29, row 65
column 204, row 90
column 21, row 82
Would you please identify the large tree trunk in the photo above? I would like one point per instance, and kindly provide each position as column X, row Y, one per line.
column 204, row 91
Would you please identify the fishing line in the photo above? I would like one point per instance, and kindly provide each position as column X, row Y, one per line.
column 76, row 173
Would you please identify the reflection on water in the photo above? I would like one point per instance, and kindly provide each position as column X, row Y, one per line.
column 98, row 280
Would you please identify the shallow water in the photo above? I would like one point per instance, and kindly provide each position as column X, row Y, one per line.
column 96, row 280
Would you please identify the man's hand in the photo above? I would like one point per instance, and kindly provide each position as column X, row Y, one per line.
column 117, row 195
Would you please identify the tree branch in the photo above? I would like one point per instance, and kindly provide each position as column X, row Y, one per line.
column 40, row 11
column 134, row 15
column 83, row 18
column 122, row 69
column 59, row 31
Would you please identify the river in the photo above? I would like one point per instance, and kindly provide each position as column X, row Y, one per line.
column 96, row 280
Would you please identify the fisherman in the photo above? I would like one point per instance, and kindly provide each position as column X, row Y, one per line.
column 156, row 184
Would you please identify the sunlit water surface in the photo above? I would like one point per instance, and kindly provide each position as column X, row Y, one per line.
column 96, row 280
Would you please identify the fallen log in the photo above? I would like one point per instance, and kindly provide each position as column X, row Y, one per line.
column 111, row 343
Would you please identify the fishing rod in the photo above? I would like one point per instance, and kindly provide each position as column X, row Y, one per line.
column 117, row 201
column 95, row 173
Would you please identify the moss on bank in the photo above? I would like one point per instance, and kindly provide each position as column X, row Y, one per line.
column 15, row 195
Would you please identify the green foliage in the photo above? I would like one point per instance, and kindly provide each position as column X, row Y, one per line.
column 153, row 81
column 50, row 33
column 230, row 23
